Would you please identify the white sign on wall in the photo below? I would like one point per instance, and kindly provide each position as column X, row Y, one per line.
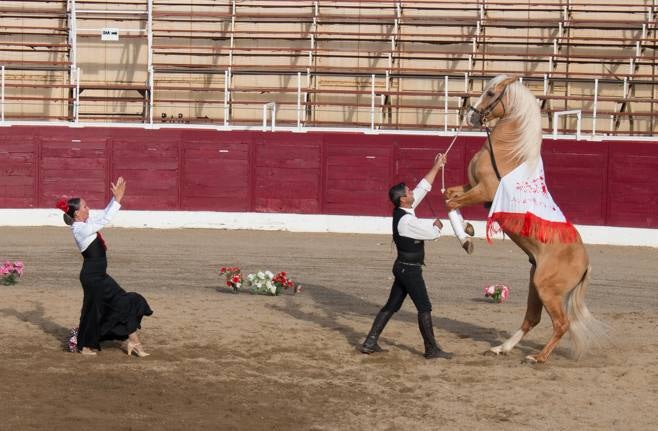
column 110, row 34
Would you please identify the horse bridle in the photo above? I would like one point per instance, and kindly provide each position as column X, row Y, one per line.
column 482, row 115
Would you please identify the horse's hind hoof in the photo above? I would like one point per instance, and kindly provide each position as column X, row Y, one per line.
column 468, row 246
column 469, row 229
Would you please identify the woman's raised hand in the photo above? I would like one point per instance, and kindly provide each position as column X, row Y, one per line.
column 119, row 189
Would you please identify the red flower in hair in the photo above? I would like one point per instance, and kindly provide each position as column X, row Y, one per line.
column 62, row 204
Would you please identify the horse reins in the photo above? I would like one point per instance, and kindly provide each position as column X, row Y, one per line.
column 491, row 152
column 443, row 171
column 482, row 114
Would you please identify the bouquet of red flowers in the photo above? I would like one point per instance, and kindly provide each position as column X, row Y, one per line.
column 281, row 281
column 261, row 282
column 233, row 276
column 11, row 272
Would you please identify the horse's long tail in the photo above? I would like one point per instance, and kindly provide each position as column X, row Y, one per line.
column 585, row 330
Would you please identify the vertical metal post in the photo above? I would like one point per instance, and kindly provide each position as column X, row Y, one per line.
column 232, row 45
column 2, row 95
column 149, row 56
column 151, row 95
column 149, row 33
column 299, row 100
column 226, row 98
column 596, row 104
column 372, row 101
column 383, row 110
column 73, row 33
column 73, row 52
column 266, row 108
column 76, row 106
column 445, row 104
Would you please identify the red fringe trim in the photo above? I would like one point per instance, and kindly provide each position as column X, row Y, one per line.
column 531, row 226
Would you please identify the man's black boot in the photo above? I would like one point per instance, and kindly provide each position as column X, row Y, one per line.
column 432, row 349
column 370, row 344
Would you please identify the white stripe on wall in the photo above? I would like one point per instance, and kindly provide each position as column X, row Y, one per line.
column 297, row 223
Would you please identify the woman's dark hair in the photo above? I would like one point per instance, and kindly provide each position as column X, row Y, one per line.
column 396, row 192
column 73, row 205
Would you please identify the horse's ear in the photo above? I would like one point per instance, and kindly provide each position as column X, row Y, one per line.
column 509, row 80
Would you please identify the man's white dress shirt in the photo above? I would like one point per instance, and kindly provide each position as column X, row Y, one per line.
column 413, row 227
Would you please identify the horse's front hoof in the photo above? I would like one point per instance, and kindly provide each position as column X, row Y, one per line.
column 530, row 360
column 495, row 351
column 469, row 229
column 468, row 246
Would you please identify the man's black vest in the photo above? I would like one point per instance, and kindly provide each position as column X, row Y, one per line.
column 409, row 250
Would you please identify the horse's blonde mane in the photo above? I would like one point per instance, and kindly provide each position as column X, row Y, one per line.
column 524, row 141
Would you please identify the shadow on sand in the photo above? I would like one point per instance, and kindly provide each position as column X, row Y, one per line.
column 37, row 318
column 339, row 305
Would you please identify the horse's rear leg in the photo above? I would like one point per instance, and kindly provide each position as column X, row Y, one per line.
column 555, row 309
column 551, row 289
column 532, row 318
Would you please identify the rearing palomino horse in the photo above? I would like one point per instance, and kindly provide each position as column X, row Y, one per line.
column 508, row 172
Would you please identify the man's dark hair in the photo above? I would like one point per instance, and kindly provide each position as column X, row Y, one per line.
column 396, row 192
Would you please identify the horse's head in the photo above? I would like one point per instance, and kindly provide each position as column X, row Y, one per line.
column 491, row 103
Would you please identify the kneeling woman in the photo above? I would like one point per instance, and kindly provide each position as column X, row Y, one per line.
column 108, row 311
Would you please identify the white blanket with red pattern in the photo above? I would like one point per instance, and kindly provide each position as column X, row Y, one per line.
column 523, row 206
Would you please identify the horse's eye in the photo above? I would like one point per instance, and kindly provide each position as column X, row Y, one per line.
column 490, row 93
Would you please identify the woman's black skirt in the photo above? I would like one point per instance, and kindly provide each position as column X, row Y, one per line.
column 108, row 311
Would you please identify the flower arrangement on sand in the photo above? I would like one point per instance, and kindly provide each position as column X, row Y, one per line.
column 10, row 272
column 233, row 277
column 72, row 340
column 497, row 292
column 261, row 282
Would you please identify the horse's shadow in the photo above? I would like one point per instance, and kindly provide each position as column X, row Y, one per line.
column 337, row 305
column 37, row 318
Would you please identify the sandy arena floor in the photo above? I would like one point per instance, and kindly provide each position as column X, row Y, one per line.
column 222, row 361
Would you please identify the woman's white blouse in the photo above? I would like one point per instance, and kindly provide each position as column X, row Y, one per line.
column 84, row 233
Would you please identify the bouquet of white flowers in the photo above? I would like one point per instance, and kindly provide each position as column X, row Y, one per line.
column 262, row 282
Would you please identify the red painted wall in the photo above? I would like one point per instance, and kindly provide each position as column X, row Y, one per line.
column 602, row 183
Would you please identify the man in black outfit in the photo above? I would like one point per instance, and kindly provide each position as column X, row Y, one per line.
column 409, row 235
